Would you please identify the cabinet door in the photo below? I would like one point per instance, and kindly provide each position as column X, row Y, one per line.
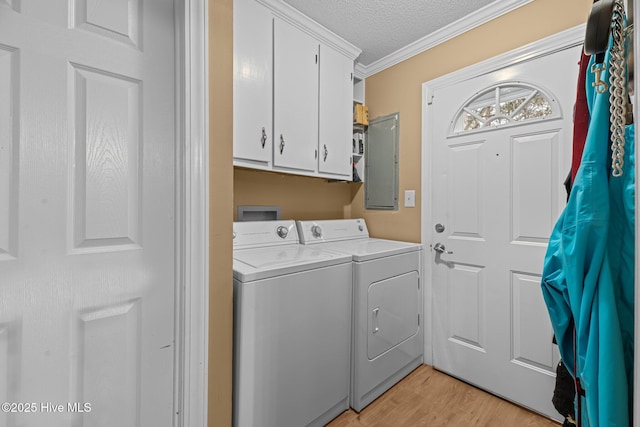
column 252, row 84
column 295, row 102
column 336, row 103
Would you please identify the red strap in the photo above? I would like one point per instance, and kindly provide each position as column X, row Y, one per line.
column 580, row 118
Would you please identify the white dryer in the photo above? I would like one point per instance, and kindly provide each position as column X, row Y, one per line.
column 387, row 341
column 292, row 331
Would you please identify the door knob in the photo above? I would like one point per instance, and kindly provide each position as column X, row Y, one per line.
column 439, row 247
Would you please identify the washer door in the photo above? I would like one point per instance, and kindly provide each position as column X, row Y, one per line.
column 393, row 310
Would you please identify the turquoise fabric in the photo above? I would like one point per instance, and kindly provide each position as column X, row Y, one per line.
column 588, row 275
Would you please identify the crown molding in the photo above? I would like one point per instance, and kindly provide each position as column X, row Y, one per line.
column 546, row 46
column 311, row 27
column 487, row 13
column 359, row 71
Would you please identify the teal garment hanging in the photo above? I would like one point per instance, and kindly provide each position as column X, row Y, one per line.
column 588, row 275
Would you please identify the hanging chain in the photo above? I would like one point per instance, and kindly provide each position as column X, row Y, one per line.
column 618, row 90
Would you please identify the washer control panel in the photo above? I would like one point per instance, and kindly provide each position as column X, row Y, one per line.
column 264, row 233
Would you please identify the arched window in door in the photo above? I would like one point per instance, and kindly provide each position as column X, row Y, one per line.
column 504, row 104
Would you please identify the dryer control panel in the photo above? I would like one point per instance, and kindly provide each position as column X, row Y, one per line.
column 331, row 230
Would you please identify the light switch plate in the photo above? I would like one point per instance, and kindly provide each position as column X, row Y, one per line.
column 410, row 198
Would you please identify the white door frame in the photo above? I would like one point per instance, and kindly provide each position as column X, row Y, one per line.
column 546, row 46
column 192, row 213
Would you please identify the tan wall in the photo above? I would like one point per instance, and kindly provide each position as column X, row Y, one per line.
column 221, row 211
column 299, row 197
column 399, row 89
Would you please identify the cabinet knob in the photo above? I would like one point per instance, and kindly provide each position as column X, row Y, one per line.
column 281, row 143
column 326, row 152
column 263, row 138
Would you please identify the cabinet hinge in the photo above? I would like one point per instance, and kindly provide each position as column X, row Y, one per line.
column 430, row 98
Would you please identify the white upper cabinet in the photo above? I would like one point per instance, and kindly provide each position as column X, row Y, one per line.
column 335, row 113
column 252, row 84
column 295, row 98
column 293, row 92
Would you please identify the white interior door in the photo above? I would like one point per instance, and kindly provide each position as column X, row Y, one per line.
column 497, row 192
column 87, row 148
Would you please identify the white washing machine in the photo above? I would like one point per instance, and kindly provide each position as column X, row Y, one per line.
column 292, row 331
column 387, row 340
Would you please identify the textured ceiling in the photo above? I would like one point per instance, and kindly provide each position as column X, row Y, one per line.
column 381, row 27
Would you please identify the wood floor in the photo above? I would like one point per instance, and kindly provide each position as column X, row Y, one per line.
column 427, row 397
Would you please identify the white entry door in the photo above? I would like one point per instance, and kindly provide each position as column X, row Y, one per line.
column 501, row 151
column 87, row 149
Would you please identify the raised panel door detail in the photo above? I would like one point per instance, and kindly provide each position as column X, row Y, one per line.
column 10, row 354
column 108, row 365
column 295, row 93
column 466, row 306
column 121, row 21
column 4, row 371
column 106, row 182
column 9, row 140
column 13, row 4
column 531, row 344
column 533, row 192
column 465, row 190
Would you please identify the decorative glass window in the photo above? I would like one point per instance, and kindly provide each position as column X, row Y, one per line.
column 504, row 104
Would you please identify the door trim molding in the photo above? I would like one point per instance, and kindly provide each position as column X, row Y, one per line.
column 192, row 213
column 563, row 40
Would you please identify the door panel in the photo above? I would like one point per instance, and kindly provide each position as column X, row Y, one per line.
column 121, row 21
column 106, row 175
column 534, row 177
column 109, row 357
column 9, row 123
column 529, row 340
column 466, row 180
column 466, row 322
column 87, row 250
column 393, row 307
column 498, row 192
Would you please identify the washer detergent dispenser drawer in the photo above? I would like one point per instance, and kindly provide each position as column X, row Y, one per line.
column 393, row 306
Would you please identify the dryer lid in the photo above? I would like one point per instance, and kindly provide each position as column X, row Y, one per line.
column 368, row 249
